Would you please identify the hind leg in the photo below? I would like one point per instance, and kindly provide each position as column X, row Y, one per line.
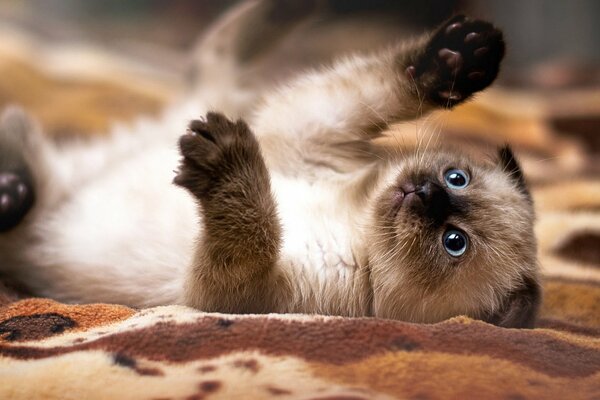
column 34, row 175
column 16, row 197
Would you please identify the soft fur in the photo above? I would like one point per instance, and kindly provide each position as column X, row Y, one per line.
column 294, row 206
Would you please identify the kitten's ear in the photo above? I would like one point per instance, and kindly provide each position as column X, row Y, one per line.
column 510, row 165
column 520, row 308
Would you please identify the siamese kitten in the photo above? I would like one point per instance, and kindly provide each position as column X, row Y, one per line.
column 295, row 210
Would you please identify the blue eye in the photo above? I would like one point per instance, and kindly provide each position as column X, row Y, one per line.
column 455, row 242
column 456, row 179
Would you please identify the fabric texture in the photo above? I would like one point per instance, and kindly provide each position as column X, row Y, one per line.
column 50, row 350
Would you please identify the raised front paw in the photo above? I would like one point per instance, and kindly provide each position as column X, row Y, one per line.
column 462, row 57
column 16, row 198
column 216, row 151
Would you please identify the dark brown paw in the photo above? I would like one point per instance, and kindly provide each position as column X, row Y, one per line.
column 16, row 198
column 462, row 57
column 215, row 150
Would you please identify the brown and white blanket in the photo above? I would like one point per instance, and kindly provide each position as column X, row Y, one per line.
column 50, row 350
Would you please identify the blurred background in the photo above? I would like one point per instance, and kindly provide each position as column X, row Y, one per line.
column 79, row 66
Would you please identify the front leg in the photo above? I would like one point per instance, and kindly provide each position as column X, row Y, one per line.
column 233, row 268
column 329, row 116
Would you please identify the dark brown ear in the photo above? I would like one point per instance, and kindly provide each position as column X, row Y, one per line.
column 520, row 308
column 510, row 165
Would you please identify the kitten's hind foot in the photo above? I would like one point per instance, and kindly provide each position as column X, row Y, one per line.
column 217, row 152
column 16, row 183
column 462, row 57
column 16, row 198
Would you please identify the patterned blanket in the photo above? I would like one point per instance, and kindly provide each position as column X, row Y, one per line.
column 50, row 350
column 54, row 351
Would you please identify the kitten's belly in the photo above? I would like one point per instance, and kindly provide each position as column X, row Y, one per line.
column 126, row 237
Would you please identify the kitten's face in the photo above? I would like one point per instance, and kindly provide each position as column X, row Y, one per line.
column 451, row 237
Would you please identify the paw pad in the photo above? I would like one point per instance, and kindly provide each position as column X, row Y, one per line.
column 461, row 58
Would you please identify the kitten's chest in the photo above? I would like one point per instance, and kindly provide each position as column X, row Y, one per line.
column 317, row 230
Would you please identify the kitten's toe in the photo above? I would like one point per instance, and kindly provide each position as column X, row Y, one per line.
column 211, row 148
column 207, row 138
column 16, row 198
column 461, row 58
column 197, row 150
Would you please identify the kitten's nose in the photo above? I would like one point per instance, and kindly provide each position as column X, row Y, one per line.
column 428, row 192
column 434, row 200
